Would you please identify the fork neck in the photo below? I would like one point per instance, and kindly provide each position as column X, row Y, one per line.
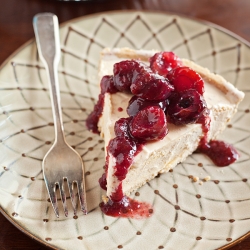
column 55, row 101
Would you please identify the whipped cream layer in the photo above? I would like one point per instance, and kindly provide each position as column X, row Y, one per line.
column 160, row 156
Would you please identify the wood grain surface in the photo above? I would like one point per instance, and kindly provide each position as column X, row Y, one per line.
column 16, row 29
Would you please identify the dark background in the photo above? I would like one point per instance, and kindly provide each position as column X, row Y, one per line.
column 16, row 29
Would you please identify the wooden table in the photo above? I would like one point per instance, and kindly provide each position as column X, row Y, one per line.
column 16, row 28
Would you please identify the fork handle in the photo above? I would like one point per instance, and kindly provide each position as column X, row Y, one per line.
column 48, row 44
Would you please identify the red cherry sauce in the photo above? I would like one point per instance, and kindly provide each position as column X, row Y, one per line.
column 127, row 208
column 221, row 153
column 123, row 148
column 107, row 86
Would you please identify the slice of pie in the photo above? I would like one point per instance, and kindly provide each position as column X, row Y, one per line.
column 196, row 108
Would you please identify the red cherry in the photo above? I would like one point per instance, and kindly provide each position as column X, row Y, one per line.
column 163, row 62
column 124, row 72
column 122, row 144
column 151, row 86
column 186, row 107
column 149, row 124
column 137, row 103
column 122, row 127
column 184, row 78
column 107, row 85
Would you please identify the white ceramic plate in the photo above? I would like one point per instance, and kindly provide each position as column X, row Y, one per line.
column 186, row 215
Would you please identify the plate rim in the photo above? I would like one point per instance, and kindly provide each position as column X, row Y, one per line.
column 130, row 11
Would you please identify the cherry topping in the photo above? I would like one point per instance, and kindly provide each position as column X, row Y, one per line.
column 163, row 62
column 124, row 72
column 137, row 103
column 184, row 78
column 221, row 153
column 122, row 127
column 149, row 124
column 186, row 107
column 151, row 86
column 107, row 85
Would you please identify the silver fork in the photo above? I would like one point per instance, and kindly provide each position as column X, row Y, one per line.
column 62, row 164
